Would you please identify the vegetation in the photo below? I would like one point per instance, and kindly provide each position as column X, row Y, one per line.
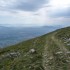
column 48, row 52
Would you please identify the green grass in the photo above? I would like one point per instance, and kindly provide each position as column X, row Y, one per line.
column 45, row 56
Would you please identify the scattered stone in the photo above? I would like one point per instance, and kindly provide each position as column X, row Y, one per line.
column 69, row 39
column 68, row 44
column 68, row 52
column 67, row 61
column 11, row 54
column 30, row 67
column 65, row 42
column 45, row 55
column 59, row 52
column 51, row 58
column 32, row 51
column 47, row 61
column 31, row 57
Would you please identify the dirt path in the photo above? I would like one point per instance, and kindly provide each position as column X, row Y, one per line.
column 59, row 43
column 47, row 56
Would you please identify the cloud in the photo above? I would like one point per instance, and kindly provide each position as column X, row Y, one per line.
column 32, row 5
column 59, row 8
column 64, row 12
column 24, row 5
column 34, row 12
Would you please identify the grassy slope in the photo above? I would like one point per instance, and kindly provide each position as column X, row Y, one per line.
column 56, row 55
column 50, row 53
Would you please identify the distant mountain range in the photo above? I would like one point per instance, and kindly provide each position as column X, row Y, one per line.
column 47, row 52
column 13, row 35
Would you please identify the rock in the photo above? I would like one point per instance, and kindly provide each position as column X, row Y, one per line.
column 68, row 52
column 68, row 44
column 51, row 58
column 32, row 51
column 59, row 53
column 45, row 55
column 11, row 54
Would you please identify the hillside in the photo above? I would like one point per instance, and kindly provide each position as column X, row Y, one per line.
column 48, row 52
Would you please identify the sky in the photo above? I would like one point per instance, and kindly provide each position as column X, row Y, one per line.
column 34, row 12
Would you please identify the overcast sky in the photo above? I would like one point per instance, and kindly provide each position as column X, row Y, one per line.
column 34, row 12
